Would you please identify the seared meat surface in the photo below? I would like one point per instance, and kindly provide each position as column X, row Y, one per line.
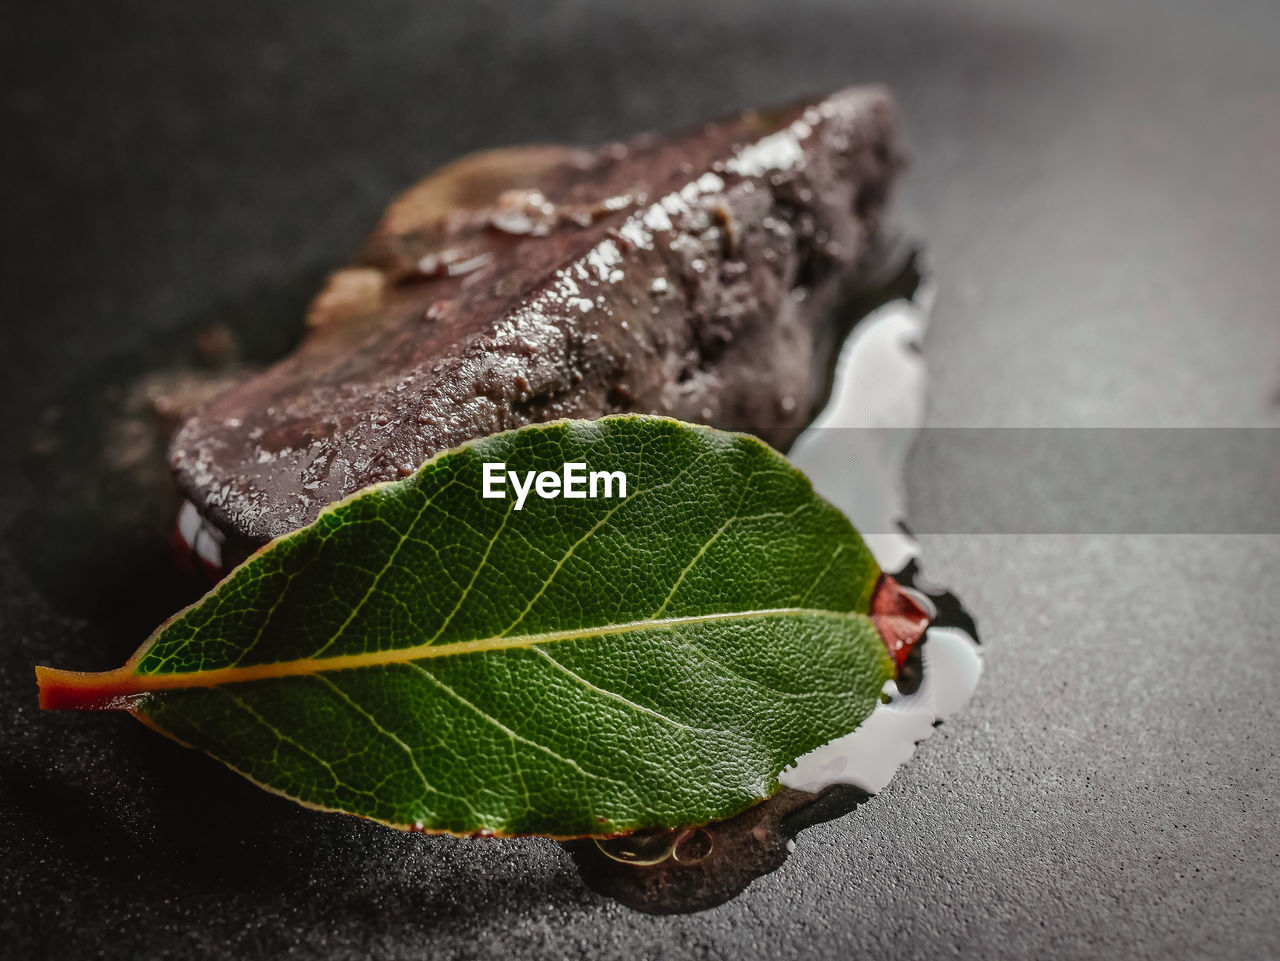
column 696, row 275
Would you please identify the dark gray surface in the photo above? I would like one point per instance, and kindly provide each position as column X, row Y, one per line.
column 1097, row 185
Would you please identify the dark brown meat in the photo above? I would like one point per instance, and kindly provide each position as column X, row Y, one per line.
column 695, row 275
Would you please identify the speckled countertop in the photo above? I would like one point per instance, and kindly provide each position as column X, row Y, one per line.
column 1096, row 185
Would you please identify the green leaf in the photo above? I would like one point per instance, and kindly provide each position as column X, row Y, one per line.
column 439, row 661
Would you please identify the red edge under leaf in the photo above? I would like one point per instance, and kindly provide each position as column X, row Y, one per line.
column 898, row 617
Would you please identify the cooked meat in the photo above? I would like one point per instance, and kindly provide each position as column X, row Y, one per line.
column 696, row 275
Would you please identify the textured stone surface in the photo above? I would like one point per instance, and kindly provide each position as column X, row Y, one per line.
column 1096, row 184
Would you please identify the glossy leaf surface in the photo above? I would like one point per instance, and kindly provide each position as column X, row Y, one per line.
column 439, row 661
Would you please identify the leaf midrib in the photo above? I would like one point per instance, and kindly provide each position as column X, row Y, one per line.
column 126, row 681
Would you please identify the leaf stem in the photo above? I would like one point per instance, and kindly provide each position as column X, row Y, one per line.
column 60, row 690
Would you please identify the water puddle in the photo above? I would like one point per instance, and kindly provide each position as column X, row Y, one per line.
column 855, row 453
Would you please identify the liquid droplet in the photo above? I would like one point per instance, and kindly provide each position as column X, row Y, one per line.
column 693, row 845
column 642, row 848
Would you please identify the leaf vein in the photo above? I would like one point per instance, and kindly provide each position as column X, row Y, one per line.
column 359, row 605
column 516, row 736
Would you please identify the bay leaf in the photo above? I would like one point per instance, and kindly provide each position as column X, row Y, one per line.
column 440, row 661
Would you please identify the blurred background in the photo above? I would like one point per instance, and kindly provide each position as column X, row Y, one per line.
column 1095, row 186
